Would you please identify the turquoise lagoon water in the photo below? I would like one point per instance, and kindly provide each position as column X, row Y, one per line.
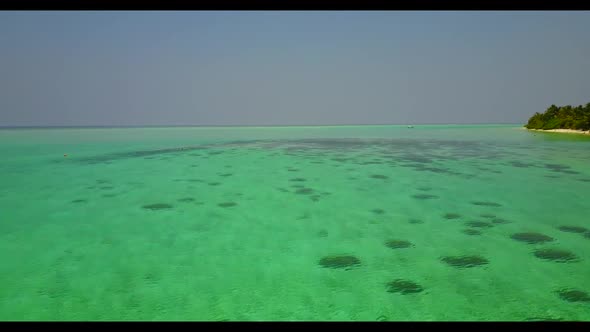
column 357, row 223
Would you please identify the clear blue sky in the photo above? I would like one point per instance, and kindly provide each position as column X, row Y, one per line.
column 289, row 68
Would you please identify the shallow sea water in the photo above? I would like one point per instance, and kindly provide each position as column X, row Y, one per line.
column 358, row 223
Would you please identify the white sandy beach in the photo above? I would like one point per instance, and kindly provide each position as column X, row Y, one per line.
column 568, row 131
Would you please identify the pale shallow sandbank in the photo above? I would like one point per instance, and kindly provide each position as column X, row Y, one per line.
column 567, row 131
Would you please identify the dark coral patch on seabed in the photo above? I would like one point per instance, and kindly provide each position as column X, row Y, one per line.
column 556, row 167
column 157, row 206
column 424, row 196
column 315, row 198
column 403, row 287
column 323, row 233
column 304, row 191
column 79, row 201
column 521, row 164
column 471, row 232
column 466, row 261
column 531, row 237
column 573, row 295
column 483, row 203
column 227, row 204
column 340, row 262
column 479, row 224
column 573, row 229
column 556, row 255
column 398, row 244
column 500, row 221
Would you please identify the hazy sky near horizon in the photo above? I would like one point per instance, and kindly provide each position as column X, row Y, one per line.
column 289, row 68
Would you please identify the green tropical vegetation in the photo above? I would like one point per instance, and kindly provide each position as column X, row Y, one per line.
column 561, row 117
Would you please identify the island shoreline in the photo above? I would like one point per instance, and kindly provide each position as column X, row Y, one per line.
column 562, row 131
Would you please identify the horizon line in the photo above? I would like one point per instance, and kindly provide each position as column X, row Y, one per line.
column 248, row 126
